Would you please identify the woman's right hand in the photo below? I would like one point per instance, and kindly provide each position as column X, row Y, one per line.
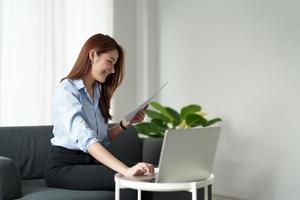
column 140, row 169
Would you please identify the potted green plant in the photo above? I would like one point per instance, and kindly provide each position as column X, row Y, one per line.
column 163, row 118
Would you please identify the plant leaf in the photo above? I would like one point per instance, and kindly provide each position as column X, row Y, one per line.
column 190, row 109
column 162, row 109
column 148, row 128
column 175, row 116
column 159, row 123
column 156, row 115
column 149, row 134
column 142, row 128
column 193, row 120
column 156, row 105
column 212, row 121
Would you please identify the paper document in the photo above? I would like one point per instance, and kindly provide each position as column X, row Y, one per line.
column 131, row 115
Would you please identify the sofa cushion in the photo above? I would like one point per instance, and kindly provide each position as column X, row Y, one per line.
column 37, row 190
column 28, row 146
column 10, row 179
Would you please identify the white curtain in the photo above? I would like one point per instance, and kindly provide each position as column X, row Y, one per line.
column 39, row 43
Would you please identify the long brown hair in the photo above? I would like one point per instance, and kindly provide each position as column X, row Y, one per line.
column 101, row 44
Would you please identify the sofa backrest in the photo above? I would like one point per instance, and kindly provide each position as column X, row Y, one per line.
column 151, row 150
column 28, row 146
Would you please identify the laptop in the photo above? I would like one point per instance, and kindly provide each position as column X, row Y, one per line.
column 186, row 155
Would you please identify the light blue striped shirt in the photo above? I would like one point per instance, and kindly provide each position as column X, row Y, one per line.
column 78, row 121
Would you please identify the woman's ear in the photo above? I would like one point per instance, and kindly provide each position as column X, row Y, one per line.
column 92, row 54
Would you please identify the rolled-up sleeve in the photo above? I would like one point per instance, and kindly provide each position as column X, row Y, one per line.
column 68, row 110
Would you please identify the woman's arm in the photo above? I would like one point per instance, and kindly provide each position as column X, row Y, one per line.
column 106, row 158
column 117, row 129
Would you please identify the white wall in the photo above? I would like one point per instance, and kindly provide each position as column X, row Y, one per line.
column 240, row 61
column 135, row 28
column 124, row 32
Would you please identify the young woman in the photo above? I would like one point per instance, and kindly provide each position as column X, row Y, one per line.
column 79, row 158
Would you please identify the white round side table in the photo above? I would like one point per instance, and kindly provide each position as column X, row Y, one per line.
column 122, row 182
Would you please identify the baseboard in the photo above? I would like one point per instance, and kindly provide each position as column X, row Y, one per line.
column 221, row 197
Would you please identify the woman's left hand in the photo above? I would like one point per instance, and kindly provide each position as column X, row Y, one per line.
column 139, row 117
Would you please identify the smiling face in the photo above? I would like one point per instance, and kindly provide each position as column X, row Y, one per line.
column 103, row 65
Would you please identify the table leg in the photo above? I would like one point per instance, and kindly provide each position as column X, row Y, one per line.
column 194, row 191
column 139, row 194
column 117, row 191
column 206, row 192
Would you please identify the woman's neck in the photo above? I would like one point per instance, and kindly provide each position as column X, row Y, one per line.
column 88, row 82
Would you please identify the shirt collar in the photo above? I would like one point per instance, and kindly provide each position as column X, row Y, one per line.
column 79, row 83
column 97, row 87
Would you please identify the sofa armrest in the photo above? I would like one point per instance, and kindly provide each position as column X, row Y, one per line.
column 10, row 179
column 151, row 150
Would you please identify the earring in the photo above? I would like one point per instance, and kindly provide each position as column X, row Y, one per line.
column 92, row 62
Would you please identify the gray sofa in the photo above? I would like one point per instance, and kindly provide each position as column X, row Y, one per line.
column 23, row 152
